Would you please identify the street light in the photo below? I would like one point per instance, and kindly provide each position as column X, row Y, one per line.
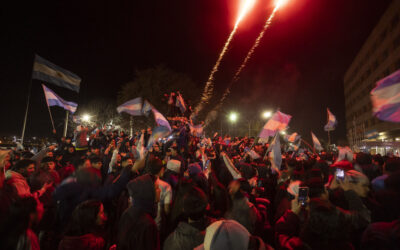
column 233, row 117
column 86, row 118
column 266, row 114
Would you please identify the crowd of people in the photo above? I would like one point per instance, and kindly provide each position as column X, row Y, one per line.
column 101, row 190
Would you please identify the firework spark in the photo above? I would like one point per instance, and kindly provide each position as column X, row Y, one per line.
column 209, row 87
column 278, row 4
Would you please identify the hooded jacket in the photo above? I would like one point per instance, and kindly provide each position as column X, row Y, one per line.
column 19, row 182
column 137, row 228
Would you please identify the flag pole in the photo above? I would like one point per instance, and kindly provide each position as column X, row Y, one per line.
column 305, row 142
column 66, row 123
column 48, row 108
column 27, row 105
column 329, row 138
column 26, row 110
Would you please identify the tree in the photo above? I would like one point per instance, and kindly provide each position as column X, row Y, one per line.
column 151, row 84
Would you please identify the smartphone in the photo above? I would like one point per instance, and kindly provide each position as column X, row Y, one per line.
column 339, row 174
column 303, row 194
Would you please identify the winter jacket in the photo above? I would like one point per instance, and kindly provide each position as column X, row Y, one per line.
column 137, row 228
column 245, row 213
column 187, row 235
column 87, row 241
column 19, row 182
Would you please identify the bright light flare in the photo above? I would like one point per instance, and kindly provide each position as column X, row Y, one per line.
column 86, row 118
column 266, row 114
column 245, row 7
column 233, row 117
column 280, row 3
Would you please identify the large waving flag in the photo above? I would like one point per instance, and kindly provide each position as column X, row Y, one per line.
column 146, row 109
column 385, row 98
column 132, row 107
column 53, row 99
column 331, row 124
column 180, row 103
column 160, row 119
column 49, row 72
column 278, row 121
column 317, row 144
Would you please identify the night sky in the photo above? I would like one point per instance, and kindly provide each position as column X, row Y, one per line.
column 298, row 67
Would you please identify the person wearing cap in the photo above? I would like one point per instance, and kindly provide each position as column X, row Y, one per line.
column 229, row 234
column 137, row 228
column 173, row 173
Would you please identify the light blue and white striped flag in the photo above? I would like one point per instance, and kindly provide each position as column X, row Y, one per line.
column 331, row 124
column 160, row 119
column 277, row 122
column 53, row 99
column 132, row 107
column 385, row 98
column 317, row 144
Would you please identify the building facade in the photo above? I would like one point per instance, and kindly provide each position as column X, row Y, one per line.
column 378, row 58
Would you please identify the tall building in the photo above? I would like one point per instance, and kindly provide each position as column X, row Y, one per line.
column 378, row 58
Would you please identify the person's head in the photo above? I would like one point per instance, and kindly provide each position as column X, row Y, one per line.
column 95, row 150
column 145, row 192
column 325, row 226
column 391, row 165
column 317, row 188
column 195, row 204
column 155, row 166
column 174, row 166
column 48, row 164
column 378, row 160
column 86, row 218
column 96, row 162
column 225, row 234
column 50, row 154
column 88, row 176
column 126, row 161
column 24, row 167
column 359, row 181
column 68, row 140
column 83, row 163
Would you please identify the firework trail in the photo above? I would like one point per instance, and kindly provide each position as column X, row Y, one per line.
column 209, row 87
column 243, row 65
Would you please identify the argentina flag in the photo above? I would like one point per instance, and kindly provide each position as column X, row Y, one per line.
column 331, row 124
column 160, row 119
column 385, row 98
column 132, row 107
column 46, row 71
column 53, row 99
column 278, row 121
column 317, row 144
